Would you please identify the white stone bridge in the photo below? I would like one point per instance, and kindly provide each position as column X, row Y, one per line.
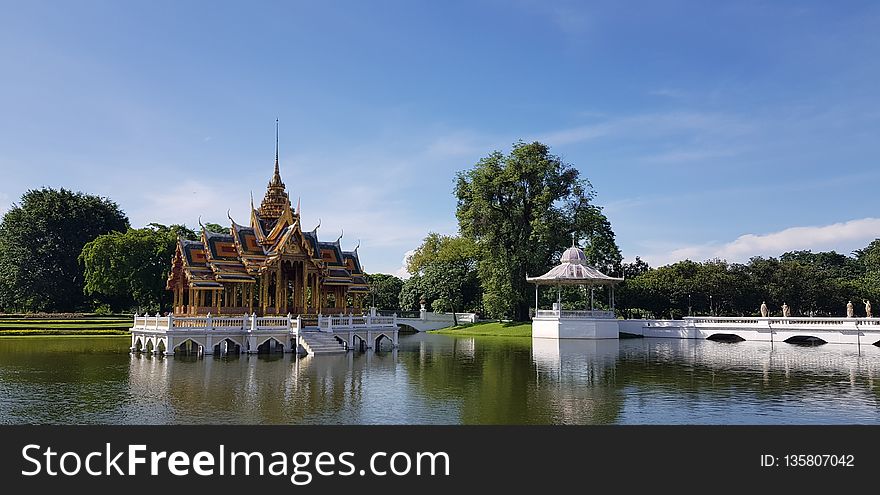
column 767, row 329
column 253, row 334
column 423, row 321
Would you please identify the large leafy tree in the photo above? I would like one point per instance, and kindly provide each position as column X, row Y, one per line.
column 446, row 270
column 869, row 259
column 384, row 290
column 522, row 209
column 129, row 269
column 41, row 238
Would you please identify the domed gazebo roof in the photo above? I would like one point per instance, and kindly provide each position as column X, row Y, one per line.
column 573, row 254
column 573, row 269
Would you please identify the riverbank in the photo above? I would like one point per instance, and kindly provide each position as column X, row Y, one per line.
column 36, row 325
column 489, row 329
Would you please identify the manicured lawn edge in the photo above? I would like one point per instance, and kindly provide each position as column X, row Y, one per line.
column 489, row 329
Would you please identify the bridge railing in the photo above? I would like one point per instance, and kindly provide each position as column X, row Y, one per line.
column 813, row 321
column 252, row 322
column 573, row 314
column 209, row 322
column 330, row 323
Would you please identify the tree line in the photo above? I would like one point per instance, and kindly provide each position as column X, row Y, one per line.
column 63, row 251
column 811, row 284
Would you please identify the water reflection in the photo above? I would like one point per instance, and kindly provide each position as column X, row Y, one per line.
column 439, row 379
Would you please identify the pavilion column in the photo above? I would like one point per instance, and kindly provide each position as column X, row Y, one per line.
column 219, row 300
column 279, row 289
column 305, row 284
column 264, row 287
column 316, row 294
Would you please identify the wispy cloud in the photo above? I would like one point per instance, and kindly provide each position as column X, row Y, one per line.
column 401, row 272
column 651, row 125
column 667, row 93
column 842, row 237
column 689, row 155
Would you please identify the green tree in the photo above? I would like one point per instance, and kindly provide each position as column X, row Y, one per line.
column 869, row 259
column 129, row 270
column 447, row 271
column 40, row 241
column 384, row 290
column 411, row 293
column 216, row 228
column 521, row 210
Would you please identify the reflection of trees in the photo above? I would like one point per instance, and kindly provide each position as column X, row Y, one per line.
column 61, row 379
column 493, row 380
column 431, row 379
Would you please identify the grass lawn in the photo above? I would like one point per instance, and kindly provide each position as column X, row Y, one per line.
column 53, row 325
column 494, row 329
column 37, row 332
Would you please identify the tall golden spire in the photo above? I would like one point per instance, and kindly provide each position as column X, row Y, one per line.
column 276, row 199
column 276, row 178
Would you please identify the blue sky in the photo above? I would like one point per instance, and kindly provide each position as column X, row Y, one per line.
column 707, row 129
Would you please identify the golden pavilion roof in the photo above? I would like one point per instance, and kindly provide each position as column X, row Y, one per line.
column 274, row 233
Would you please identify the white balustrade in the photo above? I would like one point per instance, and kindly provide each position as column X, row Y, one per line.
column 565, row 314
column 249, row 323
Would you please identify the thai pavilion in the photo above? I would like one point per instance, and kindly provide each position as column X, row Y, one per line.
column 270, row 267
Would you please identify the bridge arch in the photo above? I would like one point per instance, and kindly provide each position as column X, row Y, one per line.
column 149, row 347
column 725, row 337
column 805, row 340
column 378, row 341
column 161, row 346
column 138, row 344
column 189, row 346
column 228, row 345
column 358, row 343
column 270, row 345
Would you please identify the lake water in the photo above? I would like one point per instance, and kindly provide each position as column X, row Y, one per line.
column 448, row 380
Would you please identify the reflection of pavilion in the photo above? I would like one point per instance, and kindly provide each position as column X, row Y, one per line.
column 272, row 389
column 582, row 324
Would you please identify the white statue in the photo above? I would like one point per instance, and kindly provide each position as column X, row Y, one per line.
column 764, row 310
column 786, row 311
column 850, row 311
column 868, row 309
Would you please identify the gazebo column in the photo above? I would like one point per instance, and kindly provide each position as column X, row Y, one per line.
column 592, row 301
column 536, row 299
column 612, row 297
column 559, row 298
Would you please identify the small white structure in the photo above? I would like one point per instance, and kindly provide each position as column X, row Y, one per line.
column 586, row 324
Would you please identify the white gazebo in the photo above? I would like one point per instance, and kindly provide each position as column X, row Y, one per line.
column 588, row 323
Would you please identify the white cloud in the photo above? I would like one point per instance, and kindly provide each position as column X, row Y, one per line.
column 689, row 155
column 842, row 237
column 401, row 272
column 650, row 125
column 667, row 92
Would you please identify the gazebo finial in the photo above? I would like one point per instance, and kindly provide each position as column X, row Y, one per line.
column 573, row 239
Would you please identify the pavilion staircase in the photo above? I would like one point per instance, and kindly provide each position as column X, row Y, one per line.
column 315, row 342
